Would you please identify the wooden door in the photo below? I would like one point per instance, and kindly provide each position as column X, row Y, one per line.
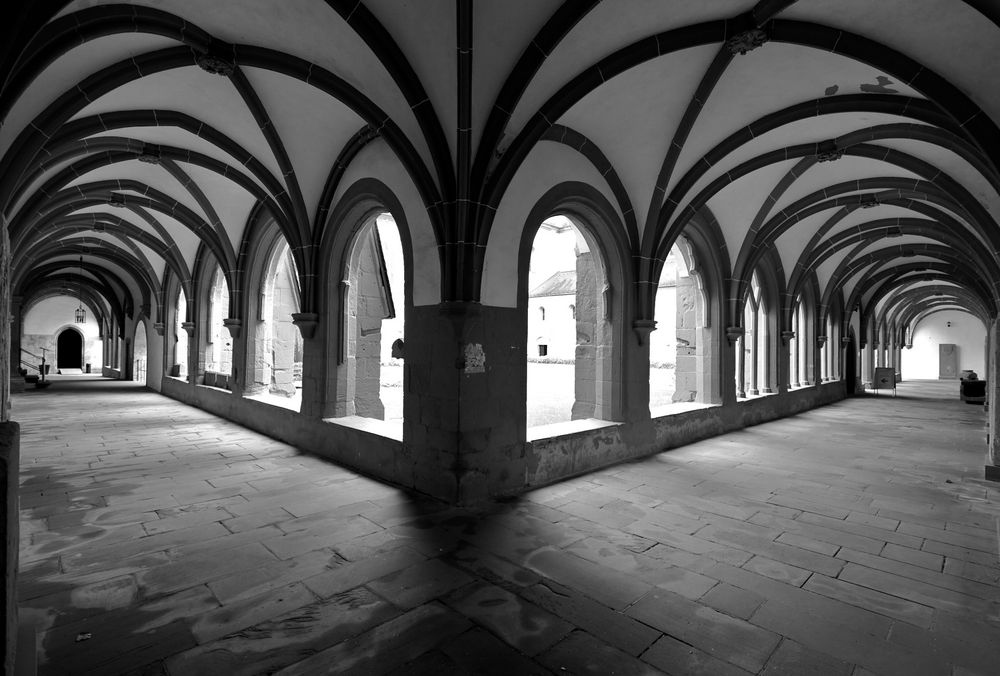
column 948, row 361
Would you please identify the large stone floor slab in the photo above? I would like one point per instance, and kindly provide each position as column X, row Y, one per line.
column 855, row 539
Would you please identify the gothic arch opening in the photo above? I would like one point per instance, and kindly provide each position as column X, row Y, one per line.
column 570, row 338
column 799, row 343
column 218, row 351
column 371, row 324
column 275, row 351
column 180, row 366
column 803, row 345
column 679, row 345
column 753, row 365
column 140, row 348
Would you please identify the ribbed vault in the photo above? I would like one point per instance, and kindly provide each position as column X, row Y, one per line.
column 842, row 147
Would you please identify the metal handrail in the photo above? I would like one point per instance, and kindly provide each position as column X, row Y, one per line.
column 39, row 368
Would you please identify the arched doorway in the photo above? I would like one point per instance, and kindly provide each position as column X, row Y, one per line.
column 69, row 350
column 851, row 364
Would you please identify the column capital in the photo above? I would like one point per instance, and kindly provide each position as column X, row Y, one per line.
column 234, row 325
column 307, row 323
column 642, row 328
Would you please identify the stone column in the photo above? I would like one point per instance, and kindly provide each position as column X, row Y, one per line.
column 284, row 334
column 316, row 361
column 588, row 339
column 236, row 355
column 9, row 468
column 769, row 349
column 9, row 463
column 193, row 353
column 258, row 371
column 866, row 361
column 16, row 381
column 818, row 359
column 831, row 354
column 127, row 367
column 741, row 366
column 686, row 386
column 836, row 355
column 712, row 362
column 637, row 370
column 786, row 360
column 466, row 388
column 993, row 402
column 795, row 377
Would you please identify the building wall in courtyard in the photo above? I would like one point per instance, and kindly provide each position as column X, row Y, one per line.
column 552, row 327
column 968, row 333
column 45, row 320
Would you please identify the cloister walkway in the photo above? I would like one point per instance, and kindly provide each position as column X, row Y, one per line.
column 855, row 539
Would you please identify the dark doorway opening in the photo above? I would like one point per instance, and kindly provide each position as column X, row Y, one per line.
column 851, row 366
column 69, row 350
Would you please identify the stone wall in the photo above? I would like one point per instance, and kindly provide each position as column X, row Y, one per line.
column 10, row 436
column 364, row 451
column 463, row 436
column 9, row 533
column 551, row 460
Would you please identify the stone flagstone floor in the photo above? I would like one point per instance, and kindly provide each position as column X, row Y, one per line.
column 856, row 539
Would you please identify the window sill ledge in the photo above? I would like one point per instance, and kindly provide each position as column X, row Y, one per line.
column 677, row 408
column 562, row 429
column 382, row 428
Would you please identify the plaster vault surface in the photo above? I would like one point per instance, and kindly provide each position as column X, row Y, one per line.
column 853, row 539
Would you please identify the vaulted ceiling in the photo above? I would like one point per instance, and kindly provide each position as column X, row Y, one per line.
column 851, row 143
